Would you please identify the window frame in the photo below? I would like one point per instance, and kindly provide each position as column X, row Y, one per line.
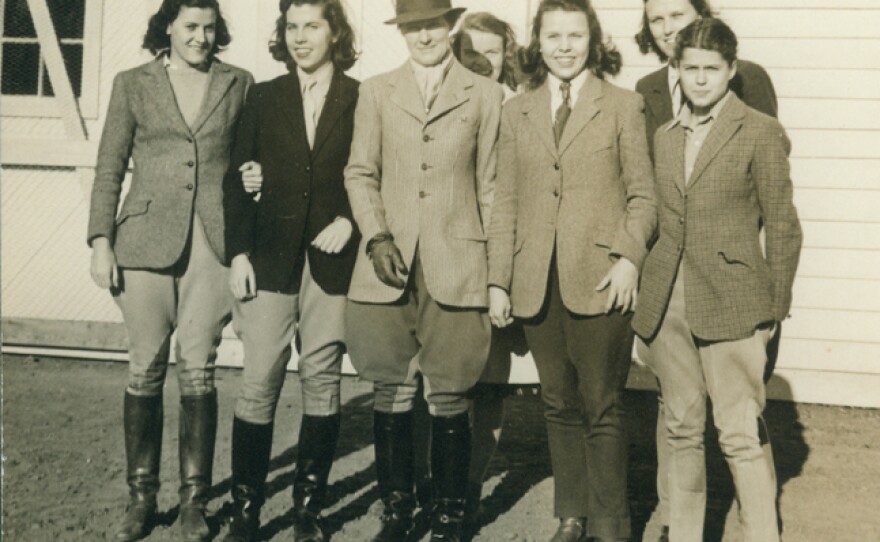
column 46, row 106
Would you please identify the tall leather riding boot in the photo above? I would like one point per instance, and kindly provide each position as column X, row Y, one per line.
column 450, row 460
column 198, row 430
column 393, row 434
column 142, row 420
column 251, row 451
column 317, row 446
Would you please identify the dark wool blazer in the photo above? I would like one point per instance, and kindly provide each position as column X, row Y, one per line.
column 176, row 169
column 711, row 226
column 751, row 83
column 302, row 190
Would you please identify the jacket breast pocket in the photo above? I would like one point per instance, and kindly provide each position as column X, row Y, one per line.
column 132, row 208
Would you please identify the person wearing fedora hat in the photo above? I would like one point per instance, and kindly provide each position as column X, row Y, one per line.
column 420, row 180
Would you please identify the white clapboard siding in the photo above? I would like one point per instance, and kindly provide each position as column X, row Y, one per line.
column 817, row 143
column 808, row 172
column 841, row 235
column 848, row 326
column 840, row 263
column 840, row 205
column 829, row 114
column 837, row 294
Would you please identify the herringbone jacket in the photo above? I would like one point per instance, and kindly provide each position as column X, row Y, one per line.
column 177, row 170
column 589, row 200
column 428, row 178
column 711, row 227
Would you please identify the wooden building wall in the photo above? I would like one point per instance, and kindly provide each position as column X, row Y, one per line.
column 823, row 57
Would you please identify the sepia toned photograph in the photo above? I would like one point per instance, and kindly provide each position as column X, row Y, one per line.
column 440, row 270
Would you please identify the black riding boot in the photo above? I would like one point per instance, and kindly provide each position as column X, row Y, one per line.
column 450, row 459
column 251, row 451
column 393, row 434
column 317, row 446
column 198, row 430
column 142, row 420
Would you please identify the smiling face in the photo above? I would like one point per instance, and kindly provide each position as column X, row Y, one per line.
column 565, row 42
column 427, row 41
column 192, row 35
column 308, row 36
column 480, row 47
column 705, row 77
column 666, row 18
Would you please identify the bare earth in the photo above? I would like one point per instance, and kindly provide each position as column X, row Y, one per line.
column 64, row 470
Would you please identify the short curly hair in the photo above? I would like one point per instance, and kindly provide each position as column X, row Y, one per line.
column 645, row 39
column 157, row 39
column 603, row 57
column 343, row 54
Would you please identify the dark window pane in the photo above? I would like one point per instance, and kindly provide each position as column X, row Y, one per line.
column 73, row 54
column 17, row 22
column 21, row 63
column 69, row 17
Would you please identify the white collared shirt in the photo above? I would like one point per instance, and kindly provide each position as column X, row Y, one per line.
column 430, row 78
column 321, row 79
column 556, row 93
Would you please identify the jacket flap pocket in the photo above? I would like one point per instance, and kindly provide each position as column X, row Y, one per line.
column 467, row 230
column 133, row 208
column 603, row 238
column 737, row 254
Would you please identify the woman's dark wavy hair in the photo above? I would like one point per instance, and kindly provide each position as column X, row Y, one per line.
column 482, row 21
column 603, row 56
column 646, row 40
column 710, row 34
column 156, row 39
column 343, row 54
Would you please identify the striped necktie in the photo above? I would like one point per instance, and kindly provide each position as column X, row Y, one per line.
column 563, row 112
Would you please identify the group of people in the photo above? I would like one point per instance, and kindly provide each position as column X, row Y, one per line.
column 417, row 224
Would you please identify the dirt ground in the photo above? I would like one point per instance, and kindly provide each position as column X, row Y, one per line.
column 64, row 473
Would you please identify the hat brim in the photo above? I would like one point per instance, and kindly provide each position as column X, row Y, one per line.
column 424, row 15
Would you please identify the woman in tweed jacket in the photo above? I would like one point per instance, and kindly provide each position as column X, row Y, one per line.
column 163, row 256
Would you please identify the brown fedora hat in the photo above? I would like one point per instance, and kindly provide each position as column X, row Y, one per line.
column 409, row 11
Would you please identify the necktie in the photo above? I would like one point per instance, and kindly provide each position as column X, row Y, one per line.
column 678, row 98
column 563, row 112
column 310, row 110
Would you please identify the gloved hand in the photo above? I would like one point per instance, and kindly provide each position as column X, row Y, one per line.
column 387, row 262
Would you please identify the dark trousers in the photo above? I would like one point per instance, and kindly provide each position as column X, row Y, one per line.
column 583, row 363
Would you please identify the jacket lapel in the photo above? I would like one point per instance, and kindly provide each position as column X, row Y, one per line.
column 586, row 107
column 405, row 92
column 221, row 79
column 453, row 91
column 339, row 98
column 160, row 91
column 727, row 124
column 537, row 110
column 657, row 99
column 289, row 101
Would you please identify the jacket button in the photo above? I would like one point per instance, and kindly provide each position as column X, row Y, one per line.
column 308, row 169
column 681, row 220
column 555, row 192
column 305, row 195
column 556, row 166
column 426, row 138
column 422, row 194
column 190, row 163
column 189, row 140
column 424, row 167
column 189, row 186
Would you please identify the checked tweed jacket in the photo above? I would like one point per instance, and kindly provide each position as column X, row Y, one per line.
column 177, row 170
column 711, row 226
column 428, row 178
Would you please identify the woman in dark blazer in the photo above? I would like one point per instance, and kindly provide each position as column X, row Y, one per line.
column 572, row 217
column 661, row 22
column 162, row 256
column 293, row 250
